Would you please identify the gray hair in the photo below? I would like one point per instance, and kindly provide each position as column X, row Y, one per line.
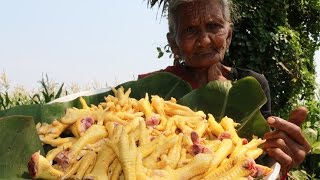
column 227, row 5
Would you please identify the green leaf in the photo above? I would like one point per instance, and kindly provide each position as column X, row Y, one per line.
column 310, row 134
column 33, row 110
column 299, row 174
column 210, row 98
column 240, row 101
column 162, row 84
column 59, row 92
column 19, row 140
column 160, row 54
column 316, row 148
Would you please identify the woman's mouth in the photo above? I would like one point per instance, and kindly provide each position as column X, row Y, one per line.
column 205, row 54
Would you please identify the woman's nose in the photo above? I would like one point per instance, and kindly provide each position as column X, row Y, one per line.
column 204, row 39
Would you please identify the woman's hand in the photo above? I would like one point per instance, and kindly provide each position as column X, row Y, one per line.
column 287, row 144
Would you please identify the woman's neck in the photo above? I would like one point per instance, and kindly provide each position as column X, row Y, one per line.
column 215, row 72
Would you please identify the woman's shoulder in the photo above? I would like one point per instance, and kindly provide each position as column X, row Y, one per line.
column 238, row 73
column 176, row 70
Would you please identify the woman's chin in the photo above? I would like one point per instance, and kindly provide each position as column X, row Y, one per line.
column 202, row 63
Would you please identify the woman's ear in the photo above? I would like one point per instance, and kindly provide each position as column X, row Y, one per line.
column 172, row 43
column 229, row 36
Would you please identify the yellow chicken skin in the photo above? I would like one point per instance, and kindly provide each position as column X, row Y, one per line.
column 149, row 138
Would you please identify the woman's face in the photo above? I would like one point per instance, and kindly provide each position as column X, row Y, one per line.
column 202, row 33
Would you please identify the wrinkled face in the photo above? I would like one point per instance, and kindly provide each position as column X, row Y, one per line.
column 202, row 33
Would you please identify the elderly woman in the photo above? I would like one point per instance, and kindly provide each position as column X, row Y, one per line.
column 200, row 32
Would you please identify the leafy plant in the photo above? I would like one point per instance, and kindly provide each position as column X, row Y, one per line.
column 165, row 49
column 47, row 91
column 19, row 96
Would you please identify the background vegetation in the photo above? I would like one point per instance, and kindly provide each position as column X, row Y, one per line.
column 279, row 38
column 12, row 95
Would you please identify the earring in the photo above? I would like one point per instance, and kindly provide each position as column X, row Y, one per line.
column 177, row 60
column 198, row 44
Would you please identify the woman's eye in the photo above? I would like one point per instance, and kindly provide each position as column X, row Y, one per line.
column 191, row 30
column 213, row 26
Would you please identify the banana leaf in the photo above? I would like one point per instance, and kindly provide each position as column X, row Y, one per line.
column 163, row 84
column 240, row 100
column 19, row 140
column 33, row 110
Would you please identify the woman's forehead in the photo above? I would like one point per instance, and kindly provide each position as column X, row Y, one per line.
column 199, row 10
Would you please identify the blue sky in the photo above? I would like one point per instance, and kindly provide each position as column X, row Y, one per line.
column 80, row 41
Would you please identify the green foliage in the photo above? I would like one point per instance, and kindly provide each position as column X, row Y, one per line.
column 295, row 175
column 165, row 49
column 48, row 91
column 6, row 98
column 278, row 39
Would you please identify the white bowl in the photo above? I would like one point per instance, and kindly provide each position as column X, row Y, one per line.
column 275, row 172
